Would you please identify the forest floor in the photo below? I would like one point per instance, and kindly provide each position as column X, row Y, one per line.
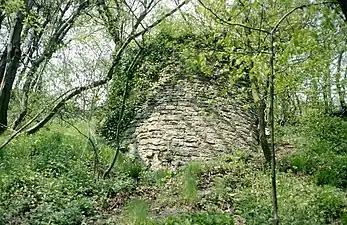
column 48, row 179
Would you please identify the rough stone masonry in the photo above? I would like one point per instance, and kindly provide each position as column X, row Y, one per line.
column 185, row 119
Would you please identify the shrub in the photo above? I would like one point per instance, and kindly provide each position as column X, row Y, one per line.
column 157, row 177
column 74, row 212
column 332, row 170
column 325, row 168
column 325, row 134
column 129, row 167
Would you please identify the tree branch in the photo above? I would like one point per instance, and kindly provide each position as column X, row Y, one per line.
column 232, row 24
column 161, row 19
column 76, row 91
column 95, row 150
column 274, row 29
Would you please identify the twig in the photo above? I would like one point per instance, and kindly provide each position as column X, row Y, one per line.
column 232, row 24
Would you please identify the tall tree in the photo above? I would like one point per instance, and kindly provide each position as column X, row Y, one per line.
column 37, row 32
column 53, row 29
column 10, row 61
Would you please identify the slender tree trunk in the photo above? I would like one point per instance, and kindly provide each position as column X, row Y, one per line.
column 314, row 95
column 284, row 105
column 262, row 133
column 26, row 91
column 260, row 108
column 3, row 64
column 74, row 92
column 24, row 102
column 339, row 88
column 121, row 113
column 325, row 99
column 2, row 17
column 272, row 130
column 52, row 47
column 327, row 91
column 2, row 13
column 298, row 103
column 12, row 64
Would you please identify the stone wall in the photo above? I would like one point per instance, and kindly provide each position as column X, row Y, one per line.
column 185, row 119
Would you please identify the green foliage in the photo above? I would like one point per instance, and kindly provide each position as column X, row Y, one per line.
column 74, row 212
column 325, row 133
column 129, row 166
column 299, row 201
column 48, row 178
column 322, row 142
column 325, row 168
column 136, row 212
column 13, row 6
column 156, row 177
column 174, row 48
column 161, row 52
column 200, row 219
column 189, row 181
column 41, row 185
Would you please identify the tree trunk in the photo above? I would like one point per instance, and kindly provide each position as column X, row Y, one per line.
column 260, row 106
column 272, row 129
column 339, row 89
column 2, row 13
column 120, row 118
column 3, row 64
column 52, row 47
column 26, row 91
column 12, row 64
column 2, row 17
column 313, row 98
column 262, row 134
column 327, row 90
column 298, row 103
column 76, row 91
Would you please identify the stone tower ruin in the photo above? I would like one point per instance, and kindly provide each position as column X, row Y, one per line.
column 185, row 119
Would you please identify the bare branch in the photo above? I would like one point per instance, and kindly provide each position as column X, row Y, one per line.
column 95, row 150
column 232, row 24
column 161, row 19
column 274, row 29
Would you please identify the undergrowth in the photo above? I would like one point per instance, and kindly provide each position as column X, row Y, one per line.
column 322, row 150
column 48, row 179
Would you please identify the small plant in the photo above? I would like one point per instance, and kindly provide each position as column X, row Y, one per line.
column 129, row 166
column 157, row 177
column 189, row 182
column 136, row 212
